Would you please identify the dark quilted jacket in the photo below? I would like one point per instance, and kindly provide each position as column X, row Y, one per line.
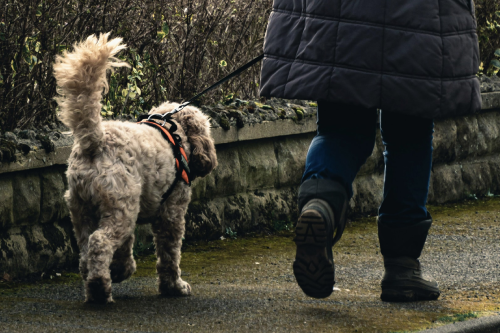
column 417, row 57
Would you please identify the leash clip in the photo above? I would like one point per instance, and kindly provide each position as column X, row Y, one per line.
column 154, row 115
column 174, row 111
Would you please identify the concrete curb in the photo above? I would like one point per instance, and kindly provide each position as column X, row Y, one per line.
column 490, row 324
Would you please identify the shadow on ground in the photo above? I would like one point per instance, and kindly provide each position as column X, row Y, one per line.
column 248, row 285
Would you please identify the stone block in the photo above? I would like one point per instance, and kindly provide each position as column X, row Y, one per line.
column 489, row 130
column 6, row 202
column 53, row 206
column 291, row 154
column 258, row 165
column 237, row 213
column 221, row 135
column 445, row 141
column 367, row 194
column 243, row 212
column 280, row 127
column 204, row 219
column 476, row 178
column 227, row 177
column 494, row 163
column 374, row 163
column 272, row 206
column 27, row 194
column 430, row 196
column 491, row 100
column 33, row 249
column 467, row 137
column 447, row 183
column 198, row 188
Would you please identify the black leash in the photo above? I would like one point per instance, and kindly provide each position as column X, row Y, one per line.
column 177, row 141
column 189, row 101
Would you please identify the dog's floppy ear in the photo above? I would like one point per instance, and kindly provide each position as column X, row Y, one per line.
column 203, row 158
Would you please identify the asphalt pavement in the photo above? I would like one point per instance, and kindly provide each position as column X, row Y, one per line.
column 247, row 285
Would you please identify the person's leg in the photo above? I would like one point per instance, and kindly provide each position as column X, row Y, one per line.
column 408, row 162
column 345, row 139
column 403, row 218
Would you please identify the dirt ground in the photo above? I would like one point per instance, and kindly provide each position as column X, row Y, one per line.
column 247, row 284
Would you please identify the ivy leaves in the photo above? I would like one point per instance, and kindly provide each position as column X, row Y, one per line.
column 128, row 94
column 496, row 62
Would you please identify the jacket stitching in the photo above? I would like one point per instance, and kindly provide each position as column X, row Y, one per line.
column 442, row 57
column 296, row 53
column 335, row 53
column 382, row 58
column 387, row 26
column 409, row 76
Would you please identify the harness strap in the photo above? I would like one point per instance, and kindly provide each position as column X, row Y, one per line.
column 170, row 190
column 181, row 161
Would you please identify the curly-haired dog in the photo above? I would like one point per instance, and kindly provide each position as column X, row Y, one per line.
column 118, row 172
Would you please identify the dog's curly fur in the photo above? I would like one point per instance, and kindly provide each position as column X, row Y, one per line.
column 118, row 171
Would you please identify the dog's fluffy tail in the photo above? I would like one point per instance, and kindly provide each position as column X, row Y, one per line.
column 81, row 79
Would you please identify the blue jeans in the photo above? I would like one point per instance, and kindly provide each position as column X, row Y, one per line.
column 344, row 141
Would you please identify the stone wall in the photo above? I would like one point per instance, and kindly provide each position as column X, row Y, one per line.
column 256, row 182
column 254, row 187
column 35, row 231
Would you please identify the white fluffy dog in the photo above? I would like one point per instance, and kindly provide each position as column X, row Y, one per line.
column 118, row 171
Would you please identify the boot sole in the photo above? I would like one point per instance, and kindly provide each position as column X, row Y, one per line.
column 407, row 294
column 314, row 271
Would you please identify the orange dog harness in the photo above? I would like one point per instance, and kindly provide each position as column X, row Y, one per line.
column 181, row 160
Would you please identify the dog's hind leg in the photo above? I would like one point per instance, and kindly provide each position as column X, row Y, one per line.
column 102, row 245
column 83, row 227
column 169, row 230
column 84, row 223
column 114, row 230
column 123, row 264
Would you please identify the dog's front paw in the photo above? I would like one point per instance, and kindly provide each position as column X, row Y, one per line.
column 178, row 288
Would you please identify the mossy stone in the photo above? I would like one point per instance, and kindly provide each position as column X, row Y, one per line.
column 27, row 194
column 300, row 114
column 7, row 151
column 6, row 202
column 224, row 123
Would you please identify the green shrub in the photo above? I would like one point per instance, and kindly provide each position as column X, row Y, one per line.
column 488, row 31
column 176, row 48
column 231, row 234
column 495, row 63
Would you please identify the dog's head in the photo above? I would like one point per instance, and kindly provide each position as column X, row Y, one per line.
column 203, row 158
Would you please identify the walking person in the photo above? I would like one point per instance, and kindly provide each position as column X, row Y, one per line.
column 414, row 60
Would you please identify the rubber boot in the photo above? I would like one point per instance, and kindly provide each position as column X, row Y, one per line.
column 401, row 247
column 323, row 205
column 403, row 282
